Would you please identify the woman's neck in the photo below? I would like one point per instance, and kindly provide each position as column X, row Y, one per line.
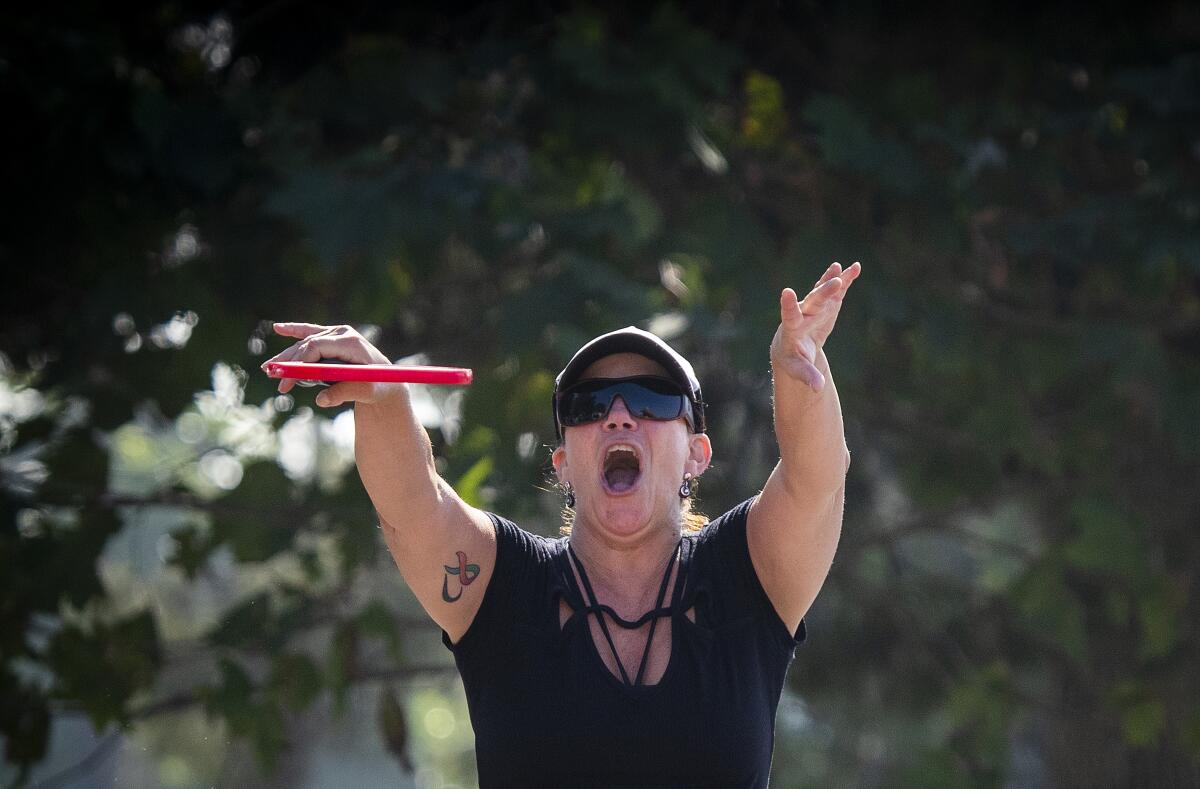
column 628, row 574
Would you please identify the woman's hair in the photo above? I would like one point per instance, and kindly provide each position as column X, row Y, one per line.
column 693, row 520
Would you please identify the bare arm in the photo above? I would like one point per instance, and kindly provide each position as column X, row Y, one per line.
column 795, row 524
column 444, row 548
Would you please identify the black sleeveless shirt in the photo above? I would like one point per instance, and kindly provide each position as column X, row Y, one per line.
column 548, row 713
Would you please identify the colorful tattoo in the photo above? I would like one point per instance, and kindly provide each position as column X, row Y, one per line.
column 466, row 574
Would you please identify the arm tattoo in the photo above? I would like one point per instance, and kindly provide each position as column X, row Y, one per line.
column 466, row 573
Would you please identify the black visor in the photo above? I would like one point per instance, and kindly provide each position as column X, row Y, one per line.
column 645, row 396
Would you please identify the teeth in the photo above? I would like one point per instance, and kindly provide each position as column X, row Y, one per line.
column 620, row 448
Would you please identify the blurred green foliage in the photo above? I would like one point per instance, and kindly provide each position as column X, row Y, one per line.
column 490, row 186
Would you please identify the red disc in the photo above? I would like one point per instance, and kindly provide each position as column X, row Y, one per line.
column 379, row 373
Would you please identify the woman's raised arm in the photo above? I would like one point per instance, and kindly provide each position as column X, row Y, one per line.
column 794, row 525
column 445, row 549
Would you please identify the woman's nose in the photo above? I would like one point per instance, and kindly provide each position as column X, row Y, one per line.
column 618, row 417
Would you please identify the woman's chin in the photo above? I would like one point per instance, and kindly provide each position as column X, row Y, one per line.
column 626, row 512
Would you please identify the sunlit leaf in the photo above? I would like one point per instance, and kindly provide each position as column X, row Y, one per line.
column 469, row 483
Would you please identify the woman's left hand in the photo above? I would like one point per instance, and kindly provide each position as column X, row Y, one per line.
column 805, row 325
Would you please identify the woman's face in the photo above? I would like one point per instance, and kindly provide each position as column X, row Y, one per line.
column 626, row 471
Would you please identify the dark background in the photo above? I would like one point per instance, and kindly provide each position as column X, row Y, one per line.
column 192, row 588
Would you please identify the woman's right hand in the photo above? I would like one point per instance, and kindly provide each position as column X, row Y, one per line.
column 333, row 342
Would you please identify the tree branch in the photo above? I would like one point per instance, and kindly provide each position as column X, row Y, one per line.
column 189, row 698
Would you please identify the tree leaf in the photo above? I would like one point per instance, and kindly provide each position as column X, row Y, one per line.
column 102, row 669
column 245, row 624
column 295, row 680
column 1105, row 542
column 1050, row 610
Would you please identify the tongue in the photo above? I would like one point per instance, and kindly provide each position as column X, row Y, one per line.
column 621, row 479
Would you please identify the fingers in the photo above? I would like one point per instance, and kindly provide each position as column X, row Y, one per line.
column 850, row 274
column 830, row 288
column 303, row 351
column 346, row 392
column 313, row 348
column 827, row 291
column 317, row 343
column 804, row 325
column 299, row 330
column 309, row 350
column 790, row 314
column 834, row 269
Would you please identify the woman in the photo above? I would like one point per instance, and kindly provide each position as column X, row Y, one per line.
column 634, row 652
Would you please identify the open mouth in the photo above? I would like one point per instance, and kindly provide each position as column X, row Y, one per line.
column 621, row 468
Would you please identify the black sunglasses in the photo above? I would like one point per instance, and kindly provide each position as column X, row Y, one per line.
column 645, row 396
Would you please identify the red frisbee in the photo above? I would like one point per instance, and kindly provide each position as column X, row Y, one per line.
column 313, row 373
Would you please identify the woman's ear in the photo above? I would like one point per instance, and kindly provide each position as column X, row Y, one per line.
column 559, row 458
column 699, row 454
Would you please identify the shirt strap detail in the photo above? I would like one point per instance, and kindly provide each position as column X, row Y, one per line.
column 594, row 607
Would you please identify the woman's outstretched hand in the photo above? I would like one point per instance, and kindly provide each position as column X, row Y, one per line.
column 332, row 342
column 805, row 325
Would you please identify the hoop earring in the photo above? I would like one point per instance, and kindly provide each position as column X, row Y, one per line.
column 569, row 493
column 685, row 490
